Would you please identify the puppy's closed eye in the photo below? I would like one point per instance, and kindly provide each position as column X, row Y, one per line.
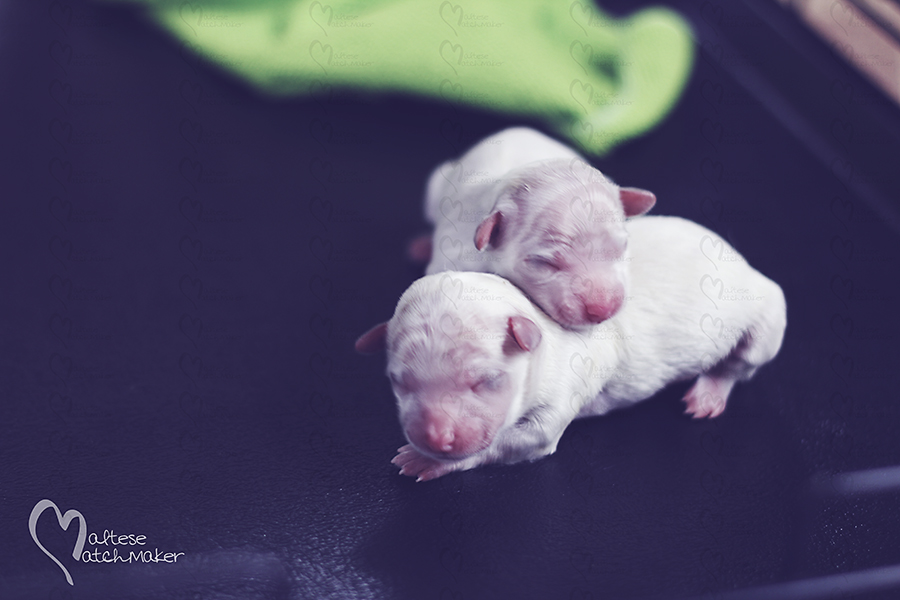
column 543, row 263
column 490, row 383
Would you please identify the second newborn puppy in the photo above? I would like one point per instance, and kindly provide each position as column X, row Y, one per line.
column 523, row 206
column 482, row 376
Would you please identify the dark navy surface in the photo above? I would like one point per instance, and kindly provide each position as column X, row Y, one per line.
column 185, row 266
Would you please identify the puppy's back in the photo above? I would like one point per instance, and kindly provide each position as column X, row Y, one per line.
column 692, row 300
column 486, row 163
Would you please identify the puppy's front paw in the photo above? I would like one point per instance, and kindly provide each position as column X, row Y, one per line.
column 415, row 464
column 708, row 396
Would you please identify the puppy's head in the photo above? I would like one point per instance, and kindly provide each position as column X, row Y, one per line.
column 458, row 348
column 558, row 232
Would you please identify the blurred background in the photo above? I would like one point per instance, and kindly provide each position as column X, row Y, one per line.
column 204, row 203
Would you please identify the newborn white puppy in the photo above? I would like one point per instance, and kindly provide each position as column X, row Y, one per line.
column 523, row 206
column 483, row 376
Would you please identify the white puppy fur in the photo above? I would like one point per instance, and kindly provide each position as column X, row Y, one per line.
column 523, row 206
column 482, row 376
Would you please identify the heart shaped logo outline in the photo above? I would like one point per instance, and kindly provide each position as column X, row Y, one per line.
column 712, row 171
column 716, row 322
column 451, row 169
column 191, row 132
column 456, row 51
column 455, row 92
column 454, row 9
column 322, row 93
column 198, row 11
column 64, row 522
column 712, row 132
column 587, row 363
column 845, row 11
column 447, row 247
column 586, row 52
column 583, row 9
column 64, row 97
column 713, row 93
column 190, row 209
column 450, row 326
column 712, row 54
column 716, row 209
column 61, row 132
column 714, row 243
column 324, row 10
column 195, row 284
column 585, row 97
column 64, row 287
column 190, row 171
column 582, row 210
column 844, row 212
column 322, row 132
column 64, row 213
column 455, row 283
column 582, row 131
column 195, row 93
column 452, row 405
column 716, row 282
column 325, row 52
column 578, row 400
column 454, row 205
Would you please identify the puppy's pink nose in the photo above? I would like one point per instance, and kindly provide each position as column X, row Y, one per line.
column 597, row 313
column 440, row 438
column 599, row 310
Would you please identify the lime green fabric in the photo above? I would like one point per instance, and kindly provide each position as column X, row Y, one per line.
column 596, row 80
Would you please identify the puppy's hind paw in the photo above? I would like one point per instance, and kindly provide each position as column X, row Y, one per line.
column 708, row 396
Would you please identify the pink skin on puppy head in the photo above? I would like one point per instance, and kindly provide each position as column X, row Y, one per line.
column 566, row 253
column 446, row 434
column 451, row 419
column 602, row 305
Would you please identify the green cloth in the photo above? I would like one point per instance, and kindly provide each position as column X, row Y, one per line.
column 596, row 80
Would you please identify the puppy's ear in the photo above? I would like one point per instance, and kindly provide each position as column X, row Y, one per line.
column 373, row 340
column 525, row 332
column 635, row 201
column 488, row 230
